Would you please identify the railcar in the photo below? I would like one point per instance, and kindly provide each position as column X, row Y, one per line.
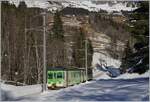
column 64, row 77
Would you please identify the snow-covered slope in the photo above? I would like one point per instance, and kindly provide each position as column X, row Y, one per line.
column 90, row 5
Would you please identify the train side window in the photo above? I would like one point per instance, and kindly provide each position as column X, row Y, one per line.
column 59, row 75
column 50, row 75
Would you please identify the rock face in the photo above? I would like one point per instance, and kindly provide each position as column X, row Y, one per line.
column 104, row 47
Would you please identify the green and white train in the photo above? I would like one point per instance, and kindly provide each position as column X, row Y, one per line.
column 64, row 77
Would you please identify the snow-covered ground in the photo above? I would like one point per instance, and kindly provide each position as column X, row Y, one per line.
column 98, row 90
column 9, row 92
column 126, row 87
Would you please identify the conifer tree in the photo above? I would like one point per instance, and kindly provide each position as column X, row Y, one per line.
column 139, row 59
column 125, row 60
column 80, row 50
column 58, row 27
column 22, row 5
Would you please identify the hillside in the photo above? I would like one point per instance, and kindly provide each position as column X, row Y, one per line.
column 81, row 24
column 68, row 24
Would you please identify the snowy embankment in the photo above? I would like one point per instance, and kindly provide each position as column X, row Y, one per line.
column 10, row 92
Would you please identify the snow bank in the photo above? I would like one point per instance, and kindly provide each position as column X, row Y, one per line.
column 10, row 92
column 133, row 75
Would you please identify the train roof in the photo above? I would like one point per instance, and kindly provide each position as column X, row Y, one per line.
column 64, row 68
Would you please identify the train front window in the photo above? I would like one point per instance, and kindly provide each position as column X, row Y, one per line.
column 59, row 75
column 50, row 75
